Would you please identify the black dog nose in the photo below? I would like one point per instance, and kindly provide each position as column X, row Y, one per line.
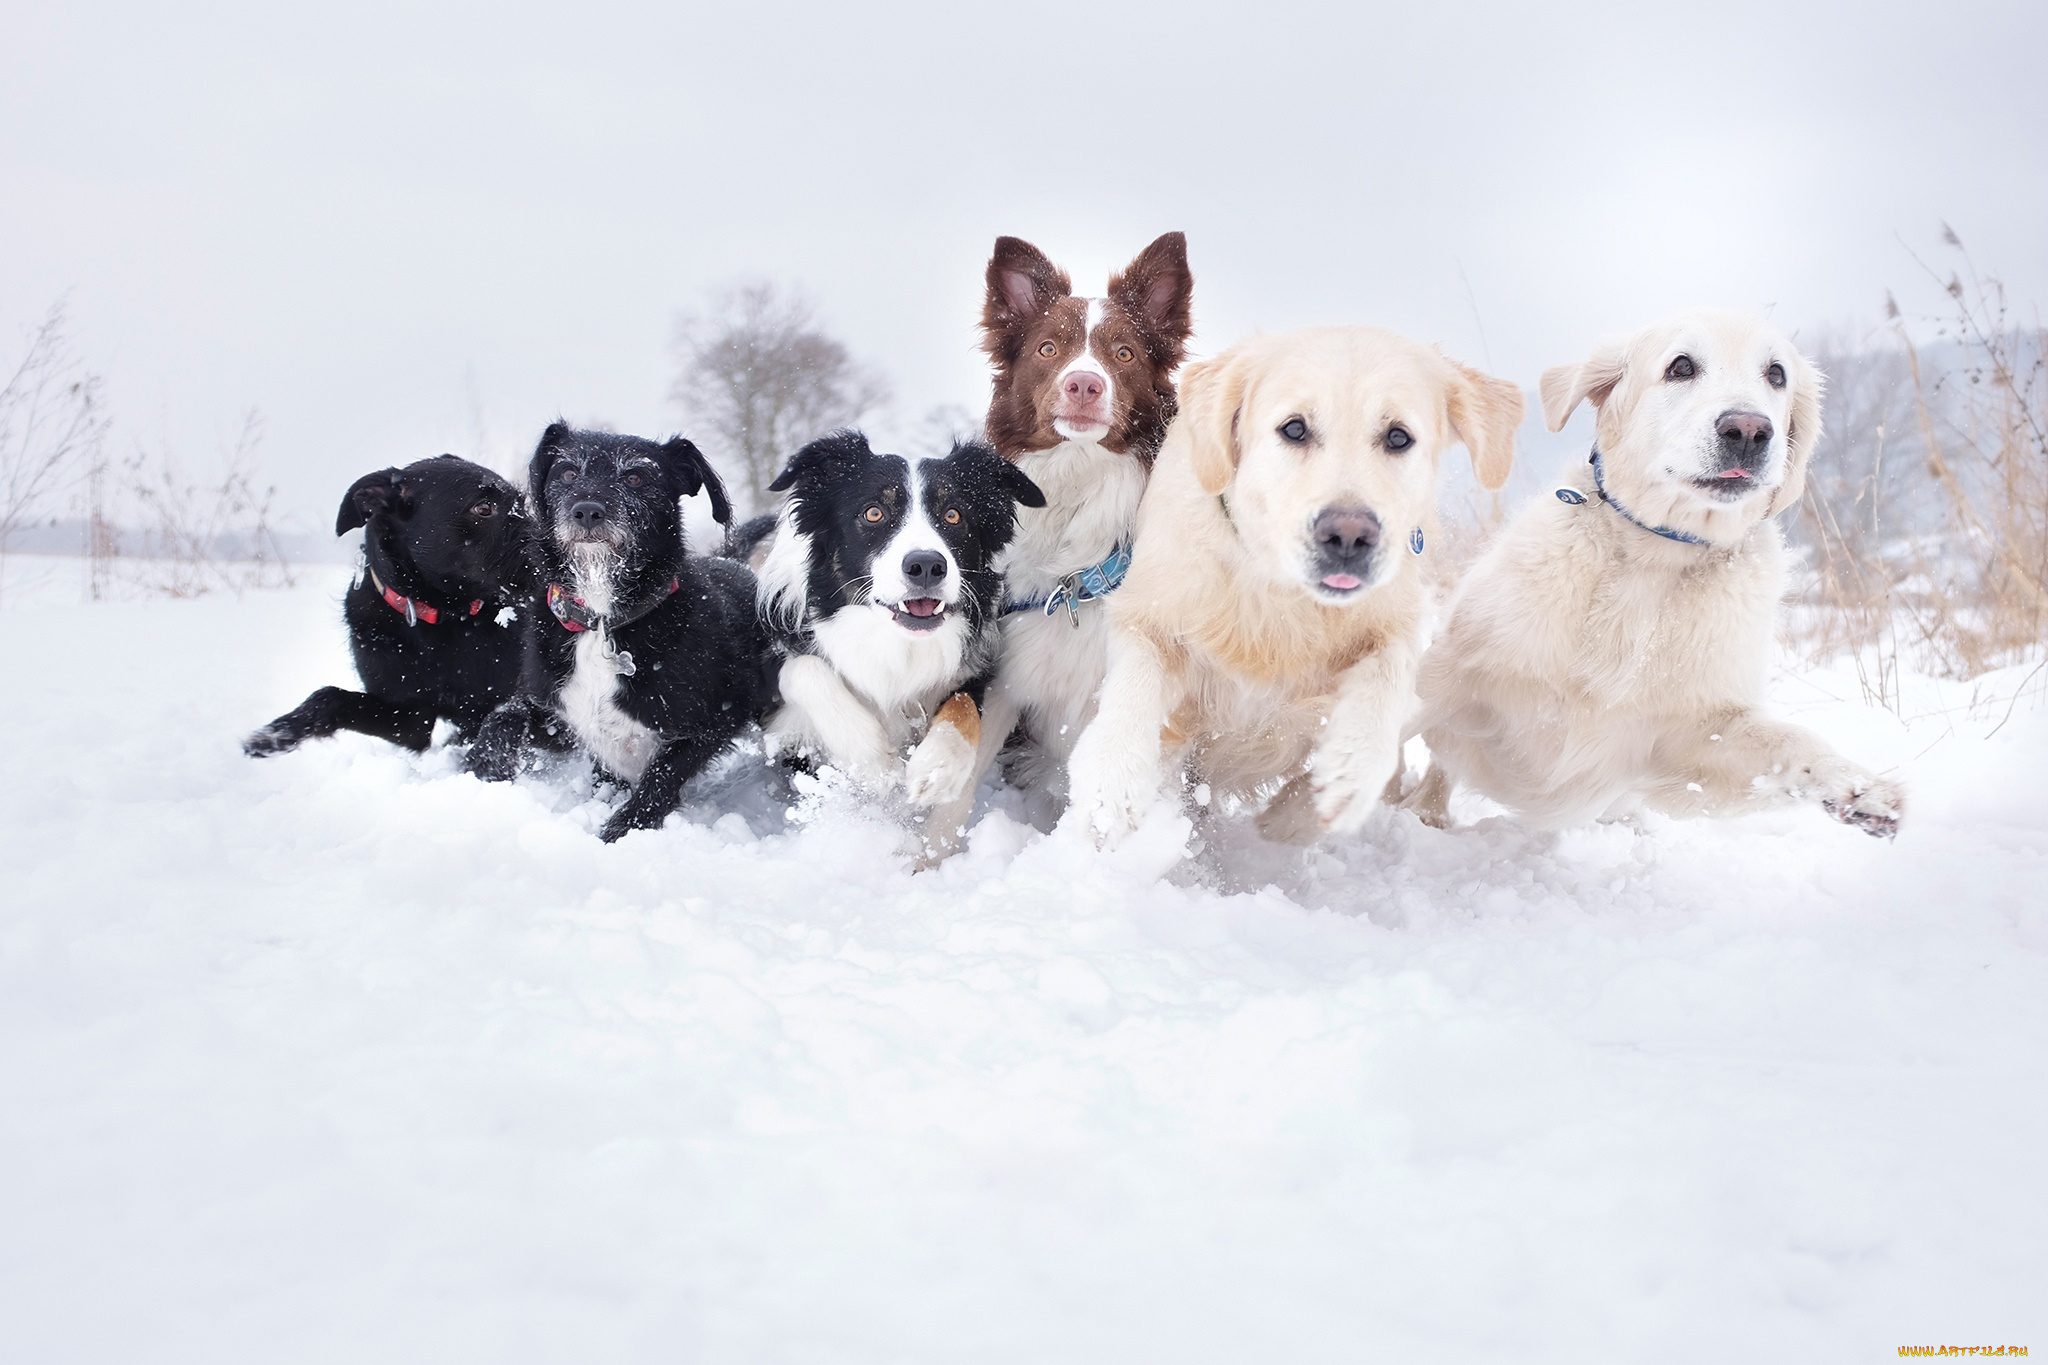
column 924, row 569
column 1744, row 436
column 587, row 514
column 1346, row 533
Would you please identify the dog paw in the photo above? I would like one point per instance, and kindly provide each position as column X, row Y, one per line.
column 1106, row 800
column 1291, row 816
column 271, row 739
column 1347, row 786
column 1873, row 805
column 939, row 768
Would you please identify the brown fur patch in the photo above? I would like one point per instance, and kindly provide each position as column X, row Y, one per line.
column 963, row 715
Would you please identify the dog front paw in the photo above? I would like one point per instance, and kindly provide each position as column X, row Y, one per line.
column 1347, row 786
column 939, row 768
column 274, row 738
column 1108, row 796
column 1873, row 805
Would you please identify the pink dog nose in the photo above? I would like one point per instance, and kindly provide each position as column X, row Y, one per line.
column 1085, row 386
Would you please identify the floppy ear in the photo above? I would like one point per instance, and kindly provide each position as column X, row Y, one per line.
column 1211, row 394
column 1157, row 287
column 552, row 440
column 1564, row 387
column 693, row 471
column 1022, row 285
column 1485, row 413
column 1017, row 483
column 1802, row 432
column 369, row 495
column 820, row 455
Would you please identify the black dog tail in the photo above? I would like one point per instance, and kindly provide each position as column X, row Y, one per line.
column 743, row 540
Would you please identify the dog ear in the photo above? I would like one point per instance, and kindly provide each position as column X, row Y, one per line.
column 1486, row 412
column 1011, row 479
column 1564, row 387
column 839, row 447
column 1157, row 286
column 1802, row 431
column 692, row 472
column 1211, row 396
column 552, row 440
column 1022, row 285
column 382, row 491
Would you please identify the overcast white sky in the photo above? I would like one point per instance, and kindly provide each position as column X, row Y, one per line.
column 407, row 228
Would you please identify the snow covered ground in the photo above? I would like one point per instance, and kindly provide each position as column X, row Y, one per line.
column 344, row 1056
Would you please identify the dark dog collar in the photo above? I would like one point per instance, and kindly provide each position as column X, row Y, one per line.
column 411, row 608
column 1091, row 584
column 1575, row 497
column 576, row 616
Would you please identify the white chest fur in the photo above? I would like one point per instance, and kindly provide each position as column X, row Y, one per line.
column 903, row 677
column 589, row 702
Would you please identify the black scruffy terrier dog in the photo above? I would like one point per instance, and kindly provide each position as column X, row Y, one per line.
column 432, row 617
column 882, row 595
column 650, row 657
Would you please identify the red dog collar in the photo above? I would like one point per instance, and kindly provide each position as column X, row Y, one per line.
column 411, row 608
column 575, row 616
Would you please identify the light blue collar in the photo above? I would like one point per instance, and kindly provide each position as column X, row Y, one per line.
column 1575, row 497
column 1084, row 585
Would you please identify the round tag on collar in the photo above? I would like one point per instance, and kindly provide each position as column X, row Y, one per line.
column 1571, row 495
column 1415, row 540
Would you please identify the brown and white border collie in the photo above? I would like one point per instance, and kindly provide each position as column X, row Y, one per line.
column 1083, row 396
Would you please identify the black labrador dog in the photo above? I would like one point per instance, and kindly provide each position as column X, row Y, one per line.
column 433, row 616
column 650, row 657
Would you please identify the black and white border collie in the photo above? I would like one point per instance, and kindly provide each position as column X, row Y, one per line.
column 652, row 657
column 881, row 596
column 1083, row 395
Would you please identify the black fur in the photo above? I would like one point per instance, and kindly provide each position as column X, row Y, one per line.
column 832, row 482
column 446, row 533
column 696, row 652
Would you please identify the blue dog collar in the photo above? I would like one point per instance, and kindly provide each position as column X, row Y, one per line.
column 1575, row 498
column 1085, row 585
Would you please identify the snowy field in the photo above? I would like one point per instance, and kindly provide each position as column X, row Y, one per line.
column 346, row 1057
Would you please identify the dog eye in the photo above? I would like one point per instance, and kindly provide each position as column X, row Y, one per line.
column 565, row 474
column 485, row 508
column 1776, row 375
column 952, row 516
column 1397, row 438
column 1681, row 368
column 874, row 512
column 1294, row 431
column 1125, row 354
column 1048, row 350
column 633, row 479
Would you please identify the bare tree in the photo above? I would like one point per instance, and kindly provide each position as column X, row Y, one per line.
column 757, row 378
column 203, row 536
column 52, row 420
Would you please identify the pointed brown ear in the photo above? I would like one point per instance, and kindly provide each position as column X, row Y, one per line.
column 1211, row 396
column 1802, row 432
column 1486, row 412
column 1564, row 387
column 366, row 497
column 1157, row 288
column 1022, row 285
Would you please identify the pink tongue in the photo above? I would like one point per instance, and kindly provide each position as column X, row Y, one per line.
column 1342, row 581
column 1735, row 473
column 921, row 606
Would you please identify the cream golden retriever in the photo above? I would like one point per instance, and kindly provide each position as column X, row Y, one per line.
column 1268, row 634
column 1612, row 647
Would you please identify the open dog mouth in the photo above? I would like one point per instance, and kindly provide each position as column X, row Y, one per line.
column 918, row 613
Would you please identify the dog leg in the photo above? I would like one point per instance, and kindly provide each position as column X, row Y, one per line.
column 945, row 828
column 1361, row 744
column 660, row 789
column 1431, row 801
column 1750, row 760
column 821, row 711
column 943, row 763
column 332, row 709
column 1114, row 774
column 501, row 744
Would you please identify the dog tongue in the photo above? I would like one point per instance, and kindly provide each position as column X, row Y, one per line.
column 921, row 606
column 1734, row 473
column 1343, row 582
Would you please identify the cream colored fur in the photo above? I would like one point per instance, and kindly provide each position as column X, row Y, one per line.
column 1589, row 664
column 1227, row 653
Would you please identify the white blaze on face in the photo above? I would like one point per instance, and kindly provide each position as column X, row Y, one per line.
column 1084, row 416
column 917, row 533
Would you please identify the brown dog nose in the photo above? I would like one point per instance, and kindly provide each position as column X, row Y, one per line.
column 1085, row 386
column 1346, row 533
column 1743, row 433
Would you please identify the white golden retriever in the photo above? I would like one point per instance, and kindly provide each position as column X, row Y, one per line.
column 1612, row 647
column 1269, row 630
